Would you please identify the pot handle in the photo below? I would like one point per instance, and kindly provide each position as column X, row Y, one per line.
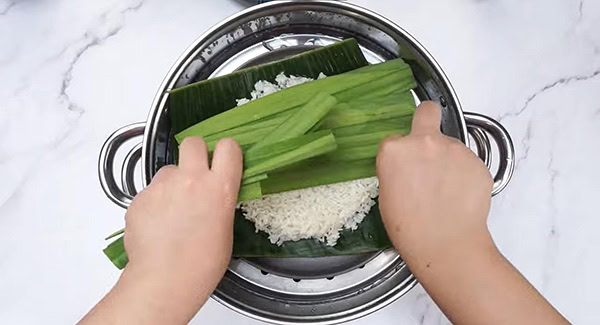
column 128, row 170
column 482, row 143
column 480, row 126
column 121, row 197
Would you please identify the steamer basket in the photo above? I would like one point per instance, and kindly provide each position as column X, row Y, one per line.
column 301, row 290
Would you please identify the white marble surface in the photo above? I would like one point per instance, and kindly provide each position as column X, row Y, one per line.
column 71, row 72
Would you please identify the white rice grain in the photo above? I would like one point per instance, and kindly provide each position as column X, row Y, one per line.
column 320, row 212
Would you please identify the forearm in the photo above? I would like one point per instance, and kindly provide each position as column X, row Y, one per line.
column 474, row 284
column 142, row 298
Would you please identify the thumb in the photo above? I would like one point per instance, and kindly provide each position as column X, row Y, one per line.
column 427, row 119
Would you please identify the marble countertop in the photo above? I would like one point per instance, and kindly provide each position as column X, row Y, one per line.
column 74, row 71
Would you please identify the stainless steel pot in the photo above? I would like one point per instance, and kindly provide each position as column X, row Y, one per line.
column 320, row 290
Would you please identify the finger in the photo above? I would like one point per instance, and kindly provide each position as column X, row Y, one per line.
column 193, row 155
column 227, row 162
column 427, row 119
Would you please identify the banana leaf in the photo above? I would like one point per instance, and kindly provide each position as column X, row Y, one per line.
column 348, row 86
column 315, row 172
column 115, row 251
column 370, row 236
column 199, row 101
column 331, row 60
column 219, row 94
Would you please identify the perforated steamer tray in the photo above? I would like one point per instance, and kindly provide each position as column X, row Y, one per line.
column 301, row 290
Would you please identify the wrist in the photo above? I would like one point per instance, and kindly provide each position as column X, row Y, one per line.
column 168, row 297
column 453, row 253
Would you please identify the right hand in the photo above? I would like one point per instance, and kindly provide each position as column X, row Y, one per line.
column 434, row 197
column 434, row 192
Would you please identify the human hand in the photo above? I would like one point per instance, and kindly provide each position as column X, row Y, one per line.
column 434, row 192
column 434, row 197
column 179, row 230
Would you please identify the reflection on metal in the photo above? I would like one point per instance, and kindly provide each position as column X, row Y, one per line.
column 482, row 143
column 128, row 170
column 505, row 146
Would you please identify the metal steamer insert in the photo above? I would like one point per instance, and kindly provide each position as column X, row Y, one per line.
column 324, row 290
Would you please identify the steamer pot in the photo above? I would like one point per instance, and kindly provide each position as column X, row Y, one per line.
column 327, row 290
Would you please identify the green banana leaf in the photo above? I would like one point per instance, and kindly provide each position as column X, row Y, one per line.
column 331, row 60
column 370, row 236
column 199, row 101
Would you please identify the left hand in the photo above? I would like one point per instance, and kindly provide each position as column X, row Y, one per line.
column 183, row 221
column 181, row 226
column 179, row 237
